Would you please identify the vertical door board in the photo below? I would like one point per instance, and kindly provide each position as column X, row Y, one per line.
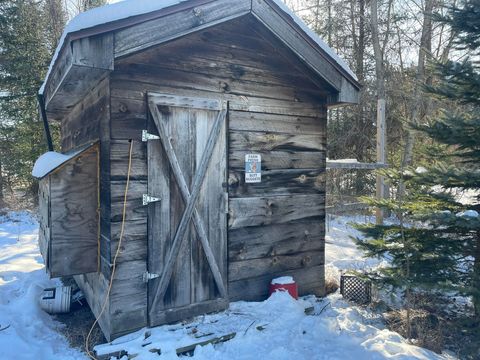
column 186, row 169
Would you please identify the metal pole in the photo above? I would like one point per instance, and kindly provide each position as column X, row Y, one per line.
column 43, row 112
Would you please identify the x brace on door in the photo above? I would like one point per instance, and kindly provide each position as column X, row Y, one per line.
column 190, row 199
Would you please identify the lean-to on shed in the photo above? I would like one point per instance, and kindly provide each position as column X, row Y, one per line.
column 201, row 91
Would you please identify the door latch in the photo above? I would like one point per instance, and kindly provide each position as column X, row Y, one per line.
column 149, row 276
column 147, row 199
column 147, row 136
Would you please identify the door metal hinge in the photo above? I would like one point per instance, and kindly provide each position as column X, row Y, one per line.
column 147, row 199
column 149, row 276
column 147, row 136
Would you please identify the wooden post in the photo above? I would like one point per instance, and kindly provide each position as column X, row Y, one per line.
column 379, row 52
column 381, row 155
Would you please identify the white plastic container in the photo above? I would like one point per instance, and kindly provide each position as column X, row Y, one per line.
column 56, row 300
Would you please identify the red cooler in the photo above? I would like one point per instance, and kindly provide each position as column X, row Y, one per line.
column 284, row 283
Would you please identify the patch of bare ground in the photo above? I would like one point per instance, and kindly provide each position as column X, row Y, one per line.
column 332, row 280
column 77, row 324
column 331, row 286
column 439, row 323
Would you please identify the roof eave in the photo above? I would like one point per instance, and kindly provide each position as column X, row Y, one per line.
column 282, row 23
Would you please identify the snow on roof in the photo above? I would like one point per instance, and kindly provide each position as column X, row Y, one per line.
column 314, row 36
column 129, row 8
column 51, row 160
column 104, row 15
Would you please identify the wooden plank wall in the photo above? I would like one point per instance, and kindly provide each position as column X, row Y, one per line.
column 81, row 126
column 44, row 217
column 80, row 67
column 74, row 218
column 276, row 227
column 87, row 122
column 128, row 298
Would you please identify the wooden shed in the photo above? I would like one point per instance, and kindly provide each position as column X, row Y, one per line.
column 223, row 104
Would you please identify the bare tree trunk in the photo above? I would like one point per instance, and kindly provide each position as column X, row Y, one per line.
column 423, row 53
column 1, row 186
column 360, row 56
column 363, row 122
column 357, row 22
column 329, row 23
column 476, row 279
column 400, row 55
column 381, row 104
column 57, row 18
column 33, row 192
column 317, row 17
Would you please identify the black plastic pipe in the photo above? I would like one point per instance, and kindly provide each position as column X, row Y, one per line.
column 43, row 112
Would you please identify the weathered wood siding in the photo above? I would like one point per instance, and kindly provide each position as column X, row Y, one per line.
column 44, row 217
column 193, row 181
column 80, row 67
column 74, row 221
column 87, row 122
column 128, row 298
column 275, row 227
column 82, row 125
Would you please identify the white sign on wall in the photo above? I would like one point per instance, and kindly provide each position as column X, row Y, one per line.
column 253, row 168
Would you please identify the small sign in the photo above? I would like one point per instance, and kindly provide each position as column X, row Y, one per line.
column 253, row 168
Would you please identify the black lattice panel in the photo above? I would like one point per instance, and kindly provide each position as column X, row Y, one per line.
column 355, row 289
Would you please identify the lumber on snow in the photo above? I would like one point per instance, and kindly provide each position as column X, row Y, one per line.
column 184, row 350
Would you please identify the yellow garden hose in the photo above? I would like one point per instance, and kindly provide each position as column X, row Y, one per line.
column 114, row 265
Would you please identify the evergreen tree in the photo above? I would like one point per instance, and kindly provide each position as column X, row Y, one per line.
column 90, row 4
column 25, row 56
column 29, row 33
column 440, row 247
column 459, row 82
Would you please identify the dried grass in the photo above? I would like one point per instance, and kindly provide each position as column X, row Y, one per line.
column 77, row 323
column 437, row 326
column 426, row 328
column 332, row 280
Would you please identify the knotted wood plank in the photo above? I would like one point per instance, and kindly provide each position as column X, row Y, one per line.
column 190, row 207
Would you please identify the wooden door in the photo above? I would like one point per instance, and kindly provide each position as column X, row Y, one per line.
column 187, row 170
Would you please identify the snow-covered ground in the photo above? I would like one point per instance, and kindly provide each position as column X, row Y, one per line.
column 29, row 332
column 340, row 251
column 277, row 328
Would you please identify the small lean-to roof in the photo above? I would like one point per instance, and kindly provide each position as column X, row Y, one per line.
column 129, row 9
column 51, row 161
